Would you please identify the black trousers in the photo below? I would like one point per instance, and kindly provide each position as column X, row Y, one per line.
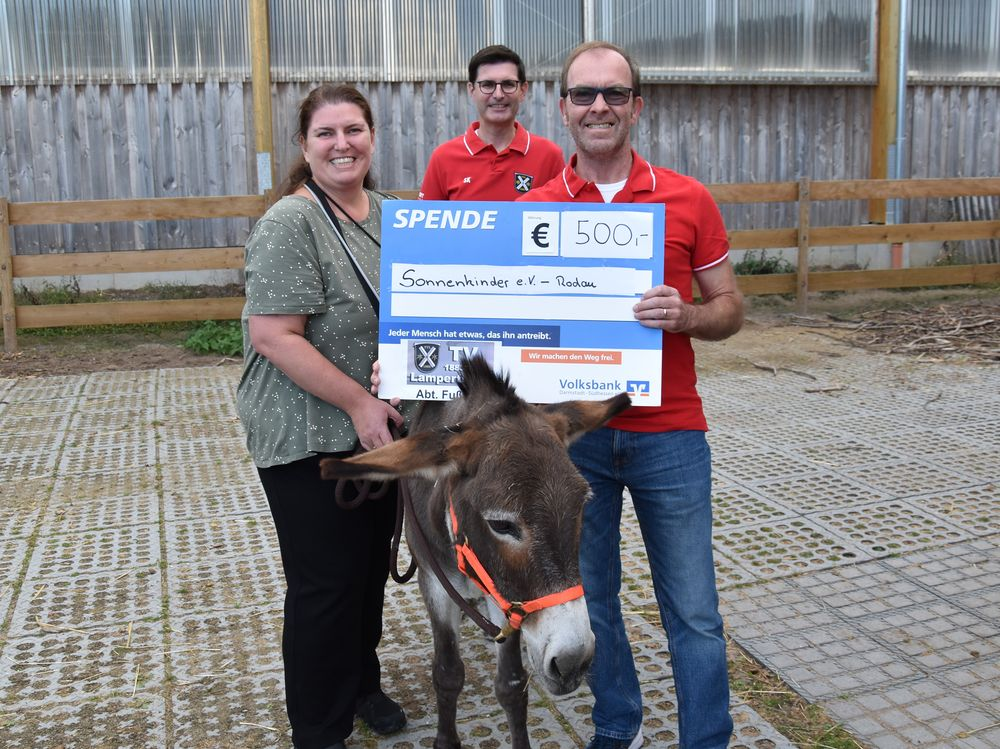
column 336, row 563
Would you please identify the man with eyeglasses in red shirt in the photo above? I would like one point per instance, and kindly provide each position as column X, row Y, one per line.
column 496, row 158
column 659, row 453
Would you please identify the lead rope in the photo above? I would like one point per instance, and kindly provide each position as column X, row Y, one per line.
column 367, row 490
column 402, row 500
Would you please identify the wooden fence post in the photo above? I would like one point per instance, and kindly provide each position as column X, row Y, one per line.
column 260, row 72
column 7, row 282
column 802, row 266
column 884, row 114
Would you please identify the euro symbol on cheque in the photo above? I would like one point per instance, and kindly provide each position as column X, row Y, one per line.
column 540, row 235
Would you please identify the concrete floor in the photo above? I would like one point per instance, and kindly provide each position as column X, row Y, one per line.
column 857, row 541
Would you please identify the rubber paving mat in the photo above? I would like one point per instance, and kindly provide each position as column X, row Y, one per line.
column 856, row 535
column 878, row 596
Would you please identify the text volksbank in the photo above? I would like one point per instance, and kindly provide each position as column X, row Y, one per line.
column 581, row 384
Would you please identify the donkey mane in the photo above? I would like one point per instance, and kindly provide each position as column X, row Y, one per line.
column 480, row 385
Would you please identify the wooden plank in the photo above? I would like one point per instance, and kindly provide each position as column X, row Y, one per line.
column 137, row 261
column 7, row 308
column 162, row 209
column 405, row 194
column 67, row 157
column 113, row 114
column 164, row 159
column 147, row 209
column 753, row 239
column 92, row 181
column 140, row 108
column 932, row 232
column 21, row 148
column 946, row 275
column 771, row 283
column 862, row 189
column 238, row 165
column 122, row 313
column 763, row 192
column 190, row 160
column 408, row 171
column 212, row 129
column 230, row 308
column 852, row 280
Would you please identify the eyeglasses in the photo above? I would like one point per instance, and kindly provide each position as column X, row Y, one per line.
column 508, row 86
column 613, row 95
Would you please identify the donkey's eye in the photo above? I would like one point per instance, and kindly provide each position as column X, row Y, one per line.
column 505, row 528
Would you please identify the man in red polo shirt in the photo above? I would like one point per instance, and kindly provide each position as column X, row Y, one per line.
column 496, row 158
column 659, row 454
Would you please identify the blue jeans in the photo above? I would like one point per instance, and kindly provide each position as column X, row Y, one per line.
column 669, row 477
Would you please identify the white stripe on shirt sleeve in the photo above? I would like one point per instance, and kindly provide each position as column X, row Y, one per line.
column 711, row 264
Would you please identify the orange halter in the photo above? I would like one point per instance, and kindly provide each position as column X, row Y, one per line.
column 514, row 611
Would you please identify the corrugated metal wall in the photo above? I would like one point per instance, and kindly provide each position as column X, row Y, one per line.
column 136, row 41
column 957, row 40
column 123, row 41
column 726, row 40
column 142, row 41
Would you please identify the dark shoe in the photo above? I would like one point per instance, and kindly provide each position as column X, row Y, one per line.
column 603, row 742
column 337, row 745
column 380, row 713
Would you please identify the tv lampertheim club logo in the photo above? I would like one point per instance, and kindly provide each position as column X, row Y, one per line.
column 426, row 356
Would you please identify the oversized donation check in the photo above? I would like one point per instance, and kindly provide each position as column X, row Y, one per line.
column 544, row 291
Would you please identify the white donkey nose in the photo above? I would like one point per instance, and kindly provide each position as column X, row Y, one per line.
column 570, row 667
column 560, row 645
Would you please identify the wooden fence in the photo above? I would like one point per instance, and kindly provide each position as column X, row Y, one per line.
column 803, row 237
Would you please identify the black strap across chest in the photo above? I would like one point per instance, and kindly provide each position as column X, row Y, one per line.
column 324, row 202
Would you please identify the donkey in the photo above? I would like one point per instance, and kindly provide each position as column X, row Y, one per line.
column 492, row 486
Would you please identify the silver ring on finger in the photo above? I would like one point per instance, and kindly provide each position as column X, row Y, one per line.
column 664, row 311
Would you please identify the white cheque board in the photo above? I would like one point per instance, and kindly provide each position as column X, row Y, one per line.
column 544, row 291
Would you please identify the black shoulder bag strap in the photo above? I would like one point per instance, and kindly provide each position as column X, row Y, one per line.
column 324, row 201
column 365, row 491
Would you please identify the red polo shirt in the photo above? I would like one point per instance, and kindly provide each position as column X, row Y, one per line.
column 467, row 168
column 694, row 239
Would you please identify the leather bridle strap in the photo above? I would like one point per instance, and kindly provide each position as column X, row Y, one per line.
column 472, row 568
column 419, row 542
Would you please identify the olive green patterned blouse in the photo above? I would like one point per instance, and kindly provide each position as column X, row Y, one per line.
column 295, row 265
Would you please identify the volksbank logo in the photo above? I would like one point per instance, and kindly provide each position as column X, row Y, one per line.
column 612, row 386
column 638, row 388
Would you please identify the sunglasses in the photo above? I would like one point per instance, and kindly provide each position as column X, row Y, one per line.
column 613, row 95
column 508, row 86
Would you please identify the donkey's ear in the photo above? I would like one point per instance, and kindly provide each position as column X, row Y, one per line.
column 571, row 419
column 432, row 454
